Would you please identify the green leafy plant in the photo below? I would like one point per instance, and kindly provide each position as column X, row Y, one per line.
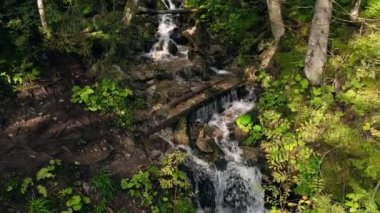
column 245, row 123
column 107, row 96
column 47, row 172
column 102, row 182
column 162, row 189
column 25, row 184
column 39, row 205
column 76, row 202
column 225, row 18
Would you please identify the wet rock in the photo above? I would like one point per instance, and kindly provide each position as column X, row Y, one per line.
column 155, row 153
column 218, row 55
column 217, row 134
column 172, row 48
column 180, row 136
column 199, row 68
column 216, row 50
column 204, row 142
column 164, row 75
column 206, row 196
column 142, row 72
column 221, row 164
column 178, row 37
column 250, row 154
column 94, row 153
column 240, row 135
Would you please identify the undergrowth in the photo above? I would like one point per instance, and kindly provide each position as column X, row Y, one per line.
column 322, row 142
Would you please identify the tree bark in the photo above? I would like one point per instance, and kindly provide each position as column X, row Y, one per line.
column 130, row 11
column 316, row 55
column 41, row 11
column 275, row 18
column 354, row 13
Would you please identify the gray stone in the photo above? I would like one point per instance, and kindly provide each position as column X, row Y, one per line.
column 172, row 47
column 250, row 154
column 240, row 135
column 204, row 142
column 180, row 136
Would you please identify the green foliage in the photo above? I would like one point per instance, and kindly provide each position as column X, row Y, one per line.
column 101, row 207
column 107, row 96
column 42, row 190
column 245, row 123
column 65, row 192
column 39, row 205
column 47, row 172
column 19, row 45
column 372, row 9
column 93, row 32
column 76, row 202
column 103, row 183
column 303, row 124
column 25, row 184
column 162, row 189
column 226, row 18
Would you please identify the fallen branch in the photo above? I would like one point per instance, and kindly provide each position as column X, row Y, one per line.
column 143, row 10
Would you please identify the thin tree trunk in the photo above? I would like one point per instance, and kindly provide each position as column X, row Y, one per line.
column 275, row 18
column 103, row 4
column 354, row 13
column 130, row 11
column 41, row 11
column 316, row 55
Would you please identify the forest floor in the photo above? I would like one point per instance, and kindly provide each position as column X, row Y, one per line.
column 41, row 124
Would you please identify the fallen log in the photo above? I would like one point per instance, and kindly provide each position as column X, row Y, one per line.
column 143, row 10
column 174, row 112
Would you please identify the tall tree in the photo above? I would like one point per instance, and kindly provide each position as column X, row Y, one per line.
column 41, row 11
column 130, row 11
column 275, row 18
column 316, row 55
column 354, row 13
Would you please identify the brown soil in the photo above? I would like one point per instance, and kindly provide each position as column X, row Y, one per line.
column 41, row 124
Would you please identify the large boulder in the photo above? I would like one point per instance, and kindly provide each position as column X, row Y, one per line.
column 240, row 135
column 172, row 47
column 204, row 142
column 180, row 136
column 199, row 68
column 178, row 37
column 250, row 154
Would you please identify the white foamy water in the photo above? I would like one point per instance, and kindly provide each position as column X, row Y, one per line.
column 160, row 50
column 219, row 71
column 236, row 186
column 231, row 186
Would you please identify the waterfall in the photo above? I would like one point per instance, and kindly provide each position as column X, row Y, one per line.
column 227, row 185
column 161, row 49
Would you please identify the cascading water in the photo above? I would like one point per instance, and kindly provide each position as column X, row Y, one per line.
column 236, row 185
column 229, row 185
column 166, row 26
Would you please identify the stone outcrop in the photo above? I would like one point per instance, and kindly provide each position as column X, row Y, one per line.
column 180, row 133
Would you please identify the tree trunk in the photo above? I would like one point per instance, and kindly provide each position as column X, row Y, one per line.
column 316, row 55
column 130, row 11
column 275, row 18
column 41, row 11
column 103, row 4
column 354, row 13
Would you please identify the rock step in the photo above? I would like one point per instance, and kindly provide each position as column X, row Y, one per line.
column 167, row 115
